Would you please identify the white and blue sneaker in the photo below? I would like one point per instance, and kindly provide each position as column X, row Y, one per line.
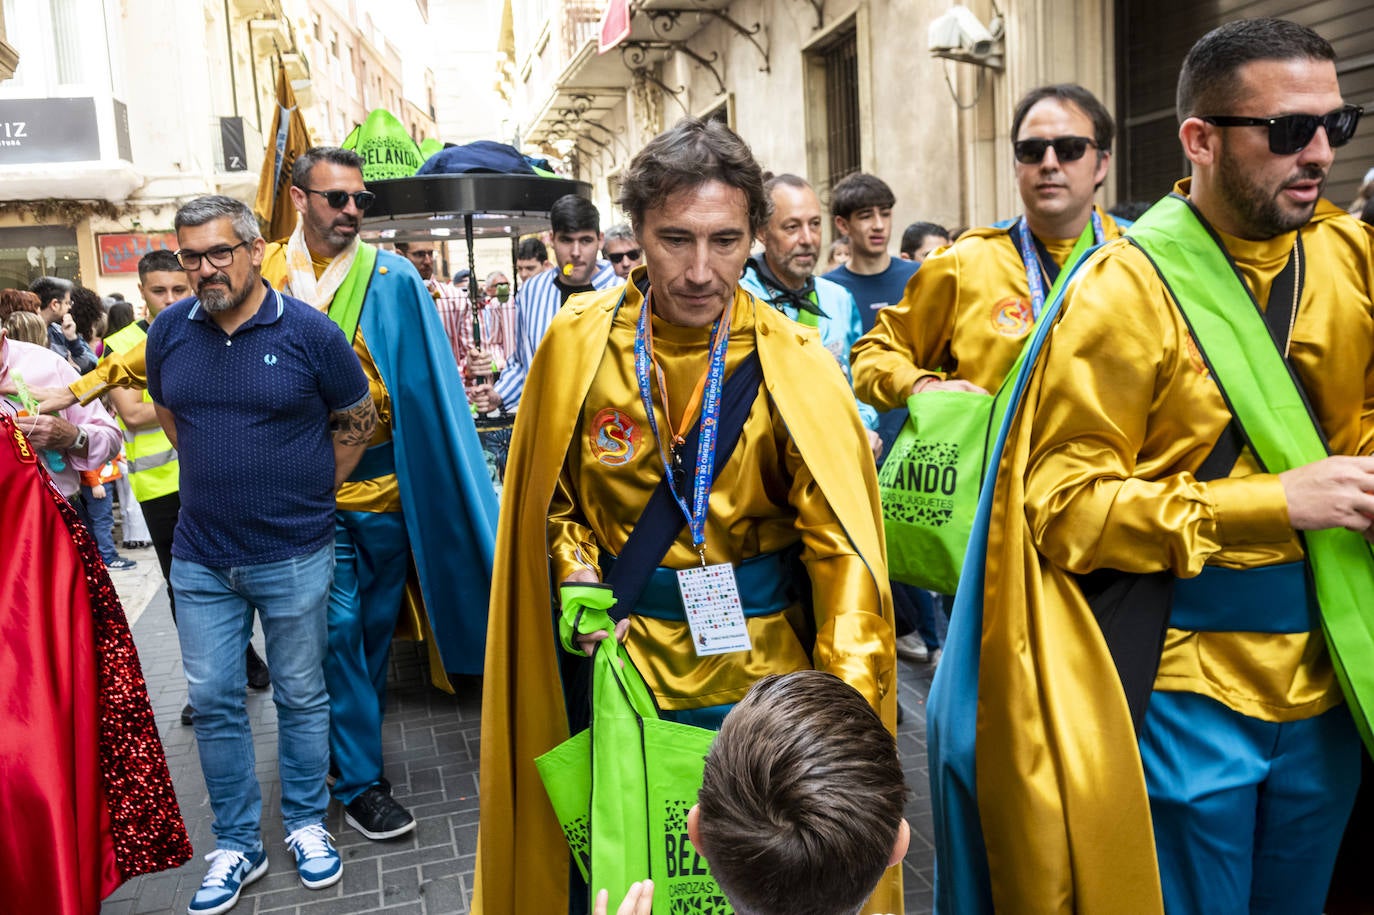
column 229, row 873
column 317, row 861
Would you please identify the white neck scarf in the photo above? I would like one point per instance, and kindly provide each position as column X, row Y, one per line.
column 300, row 270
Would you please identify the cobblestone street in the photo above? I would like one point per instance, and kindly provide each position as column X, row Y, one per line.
column 431, row 742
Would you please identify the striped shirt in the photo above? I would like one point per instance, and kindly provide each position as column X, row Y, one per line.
column 535, row 305
column 455, row 313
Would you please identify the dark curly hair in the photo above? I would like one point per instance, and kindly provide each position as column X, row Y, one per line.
column 693, row 152
column 87, row 310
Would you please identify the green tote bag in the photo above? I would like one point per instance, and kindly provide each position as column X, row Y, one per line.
column 621, row 791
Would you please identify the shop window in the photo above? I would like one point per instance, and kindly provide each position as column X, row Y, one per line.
column 28, row 253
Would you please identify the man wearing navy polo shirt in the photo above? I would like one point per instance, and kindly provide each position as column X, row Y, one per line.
column 269, row 410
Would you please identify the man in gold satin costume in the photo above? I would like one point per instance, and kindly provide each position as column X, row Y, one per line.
column 1232, row 795
column 799, row 492
column 968, row 311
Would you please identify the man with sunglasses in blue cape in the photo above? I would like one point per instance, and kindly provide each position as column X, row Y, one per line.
column 1160, row 662
column 416, row 521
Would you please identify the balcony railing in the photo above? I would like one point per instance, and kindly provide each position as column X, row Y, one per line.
column 579, row 21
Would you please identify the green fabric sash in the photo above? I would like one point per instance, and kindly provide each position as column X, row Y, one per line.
column 347, row 306
column 1266, row 402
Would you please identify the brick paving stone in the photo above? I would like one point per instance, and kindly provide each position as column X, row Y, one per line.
column 432, row 741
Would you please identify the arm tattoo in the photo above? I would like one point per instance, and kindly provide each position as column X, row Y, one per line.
column 355, row 425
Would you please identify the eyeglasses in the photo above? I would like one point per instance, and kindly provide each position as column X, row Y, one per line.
column 339, row 199
column 1292, row 132
column 220, row 257
column 633, row 254
column 1066, row 149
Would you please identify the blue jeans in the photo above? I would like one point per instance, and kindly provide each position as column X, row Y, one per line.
column 99, row 517
column 214, row 622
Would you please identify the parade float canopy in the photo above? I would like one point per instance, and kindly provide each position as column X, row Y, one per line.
column 471, row 206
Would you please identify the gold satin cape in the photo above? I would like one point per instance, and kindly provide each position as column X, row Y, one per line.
column 522, row 857
column 1097, row 470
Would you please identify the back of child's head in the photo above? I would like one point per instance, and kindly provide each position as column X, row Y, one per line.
column 801, row 802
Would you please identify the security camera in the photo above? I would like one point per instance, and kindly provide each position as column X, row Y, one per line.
column 960, row 35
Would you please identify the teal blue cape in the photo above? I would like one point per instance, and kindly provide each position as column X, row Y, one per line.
column 446, row 490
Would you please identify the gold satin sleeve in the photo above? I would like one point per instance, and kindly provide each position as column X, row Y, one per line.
column 909, row 340
column 764, row 500
column 379, row 494
column 965, row 314
column 128, row 369
column 1130, row 411
column 851, row 634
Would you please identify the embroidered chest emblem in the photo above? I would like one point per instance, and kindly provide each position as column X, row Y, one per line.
column 613, row 437
column 1012, row 317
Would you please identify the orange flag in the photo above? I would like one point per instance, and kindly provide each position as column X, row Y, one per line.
column 287, row 139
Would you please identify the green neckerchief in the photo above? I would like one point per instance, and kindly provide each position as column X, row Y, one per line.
column 810, row 318
column 1264, row 399
column 347, row 305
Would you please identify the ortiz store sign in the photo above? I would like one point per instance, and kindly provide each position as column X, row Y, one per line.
column 34, row 131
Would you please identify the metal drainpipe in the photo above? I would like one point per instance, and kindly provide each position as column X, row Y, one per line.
column 229, row 50
column 252, row 65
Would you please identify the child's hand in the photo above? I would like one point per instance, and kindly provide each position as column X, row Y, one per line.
column 98, row 490
column 638, row 901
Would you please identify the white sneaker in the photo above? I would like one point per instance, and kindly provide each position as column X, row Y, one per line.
column 317, row 861
column 911, row 648
column 229, row 873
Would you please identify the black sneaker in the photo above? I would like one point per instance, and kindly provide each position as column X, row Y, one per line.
column 377, row 815
column 259, row 677
column 186, row 713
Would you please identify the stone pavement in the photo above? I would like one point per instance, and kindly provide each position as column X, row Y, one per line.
column 431, row 744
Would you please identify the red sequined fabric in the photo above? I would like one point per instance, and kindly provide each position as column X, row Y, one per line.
column 87, row 801
column 149, row 833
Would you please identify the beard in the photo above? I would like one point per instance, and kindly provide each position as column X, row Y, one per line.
column 330, row 232
column 218, row 299
column 1258, row 208
column 792, row 271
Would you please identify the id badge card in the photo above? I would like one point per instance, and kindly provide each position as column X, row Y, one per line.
column 714, row 611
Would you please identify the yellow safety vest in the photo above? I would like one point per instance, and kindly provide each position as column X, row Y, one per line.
column 153, row 467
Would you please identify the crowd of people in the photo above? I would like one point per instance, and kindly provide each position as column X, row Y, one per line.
column 1153, row 677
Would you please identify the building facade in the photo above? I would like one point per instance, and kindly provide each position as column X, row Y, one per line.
column 121, row 110
column 824, row 88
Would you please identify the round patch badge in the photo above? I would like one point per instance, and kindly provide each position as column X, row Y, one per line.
column 1012, row 317
column 613, row 437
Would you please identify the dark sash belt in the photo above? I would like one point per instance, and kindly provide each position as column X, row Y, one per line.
column 378, row 461
column 1272, row 599
column 764, row 583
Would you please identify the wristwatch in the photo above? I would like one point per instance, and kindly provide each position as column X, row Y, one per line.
column 81, row 439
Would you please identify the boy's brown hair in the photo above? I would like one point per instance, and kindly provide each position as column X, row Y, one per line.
column 802, row 798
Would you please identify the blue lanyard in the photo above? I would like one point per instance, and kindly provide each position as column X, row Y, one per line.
column 710, row 422
column 1035, row 277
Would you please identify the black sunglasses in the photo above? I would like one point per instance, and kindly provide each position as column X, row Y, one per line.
column 1066, row 149
column 633, row 254
column 339, row 199
column 1292, row 132
column 219, row 257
